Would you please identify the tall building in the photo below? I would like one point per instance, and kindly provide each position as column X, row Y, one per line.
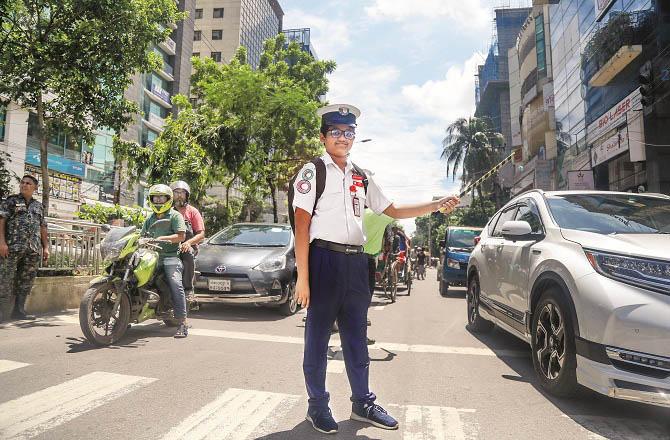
column 82, row 173
column 531, row 103
column 221, row 26
column 153, row 92
column 492, row 89
column 608, row 133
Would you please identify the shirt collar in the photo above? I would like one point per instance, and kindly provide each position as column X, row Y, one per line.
column 329, row 160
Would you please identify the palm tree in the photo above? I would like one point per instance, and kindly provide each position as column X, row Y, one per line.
column 470, row 147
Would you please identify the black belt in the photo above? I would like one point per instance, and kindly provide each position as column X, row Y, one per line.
column 348, row 249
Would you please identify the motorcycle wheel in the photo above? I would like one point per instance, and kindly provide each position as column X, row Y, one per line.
column 95, row 315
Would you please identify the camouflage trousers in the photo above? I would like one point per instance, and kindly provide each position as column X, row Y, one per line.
column 17, row 274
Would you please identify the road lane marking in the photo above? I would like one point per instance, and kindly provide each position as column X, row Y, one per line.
column 236, row 414
column 390, row 346
column 35, row 413
column 6, row 365
column 335, row 366
column 616, row 428
column 378, row 308
column 435, row 422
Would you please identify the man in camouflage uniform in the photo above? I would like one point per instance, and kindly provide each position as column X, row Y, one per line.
column 23, row 233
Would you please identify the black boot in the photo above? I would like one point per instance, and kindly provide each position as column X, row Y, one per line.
column 19, row 311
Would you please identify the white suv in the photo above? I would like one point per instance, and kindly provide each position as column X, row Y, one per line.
column 584, row 278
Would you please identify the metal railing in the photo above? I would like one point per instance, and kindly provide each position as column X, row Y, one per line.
column 74, row 247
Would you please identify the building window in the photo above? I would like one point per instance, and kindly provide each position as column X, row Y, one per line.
column 196, row 54
column 217, row 34
column 197, row 35
column 216, row 56
column 218, row 13
column 198, row 14
column 539, row 44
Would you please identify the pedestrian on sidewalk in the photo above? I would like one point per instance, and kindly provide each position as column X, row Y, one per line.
column 23, row 233
column 333, row 281
column 195, row 234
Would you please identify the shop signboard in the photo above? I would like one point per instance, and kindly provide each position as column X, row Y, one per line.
column 614, row 117
column 61, row 186
column 57, row 163
column 601, row 8
column 581, row 180
column 609, row 148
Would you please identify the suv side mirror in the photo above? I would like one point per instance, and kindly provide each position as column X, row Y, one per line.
column 519, row 231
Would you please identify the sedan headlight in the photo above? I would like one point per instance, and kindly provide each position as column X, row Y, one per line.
column 454, row 264
column 641, row 272
column 272, row 264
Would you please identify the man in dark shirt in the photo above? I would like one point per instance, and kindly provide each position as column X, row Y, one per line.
column 23, row 233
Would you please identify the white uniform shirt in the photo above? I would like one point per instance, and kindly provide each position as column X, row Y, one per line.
column 335, row 218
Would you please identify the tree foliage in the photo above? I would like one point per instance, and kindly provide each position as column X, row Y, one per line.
column 102, row 214
column 475, row 215
column 469, row 147
column 250, row 128
column 71, row 61
column 6, row 176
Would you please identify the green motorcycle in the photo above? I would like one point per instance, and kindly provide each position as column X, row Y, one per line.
column 132, row 289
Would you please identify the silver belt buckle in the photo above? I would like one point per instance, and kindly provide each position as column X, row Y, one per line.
column 350, row 250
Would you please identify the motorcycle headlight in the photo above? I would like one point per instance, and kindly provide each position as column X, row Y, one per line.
column 110, row 251
column 641, row 272
column 454, row 264
column 272, row 264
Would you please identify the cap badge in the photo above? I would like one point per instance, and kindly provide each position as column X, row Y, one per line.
column 344, row 111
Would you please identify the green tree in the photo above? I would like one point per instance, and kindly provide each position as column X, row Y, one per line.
column 71, row 61
column 6, row 176
column 251, row 128
column 470, row 147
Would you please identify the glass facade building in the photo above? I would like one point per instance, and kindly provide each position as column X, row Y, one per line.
column 600, row 128
column 259, row 20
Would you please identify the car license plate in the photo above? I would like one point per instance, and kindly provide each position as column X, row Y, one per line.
column 219, row 285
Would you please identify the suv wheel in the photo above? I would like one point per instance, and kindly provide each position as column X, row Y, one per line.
column 553, row 345
column 476, row 323
column 444, row 288
column 290, row 307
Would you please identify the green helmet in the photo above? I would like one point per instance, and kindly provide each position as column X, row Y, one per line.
column 160, row 198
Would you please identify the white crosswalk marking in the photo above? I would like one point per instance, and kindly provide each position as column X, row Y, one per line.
column 613, row 428
column 6, row 365
column 378, row 308
column 236, row 414
column 38, row 412
column 435, row 422
column 335, row 366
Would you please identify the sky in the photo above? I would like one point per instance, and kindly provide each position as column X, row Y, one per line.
column 409, row 67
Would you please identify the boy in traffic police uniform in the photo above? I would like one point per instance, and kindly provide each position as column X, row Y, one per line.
column 333, row 270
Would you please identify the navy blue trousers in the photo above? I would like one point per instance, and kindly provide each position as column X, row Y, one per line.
column 338, row 291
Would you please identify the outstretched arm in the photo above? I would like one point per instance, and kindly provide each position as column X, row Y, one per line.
column 445, row 205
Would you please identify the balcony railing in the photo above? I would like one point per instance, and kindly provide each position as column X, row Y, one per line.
column 622, row 30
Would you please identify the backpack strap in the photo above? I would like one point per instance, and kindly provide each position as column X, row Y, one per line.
column 320, row 166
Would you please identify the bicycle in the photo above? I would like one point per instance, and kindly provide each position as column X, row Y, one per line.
column 389, row 277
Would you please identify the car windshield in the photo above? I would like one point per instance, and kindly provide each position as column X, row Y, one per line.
column 462, row 238
column 253, row 235
column 611, row 213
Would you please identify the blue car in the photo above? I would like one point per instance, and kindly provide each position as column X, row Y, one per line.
column 457, row 245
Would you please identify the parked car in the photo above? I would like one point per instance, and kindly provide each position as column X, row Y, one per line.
column 584, row 278
column 458, row 243
column 248, row 263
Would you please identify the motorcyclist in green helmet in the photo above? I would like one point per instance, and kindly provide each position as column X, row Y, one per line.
column 172, row 233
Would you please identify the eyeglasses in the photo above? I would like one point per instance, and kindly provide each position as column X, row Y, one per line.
column 336, row 133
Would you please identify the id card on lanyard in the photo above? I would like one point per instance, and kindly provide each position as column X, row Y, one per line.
column 355, row 201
